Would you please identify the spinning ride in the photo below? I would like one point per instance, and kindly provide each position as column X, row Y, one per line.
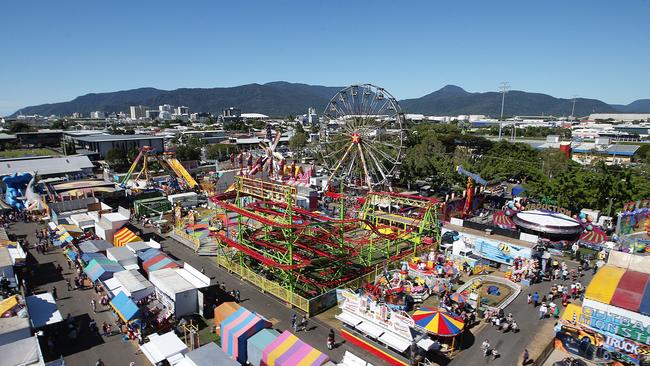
column 362, row 137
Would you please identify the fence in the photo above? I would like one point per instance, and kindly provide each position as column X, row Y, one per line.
column 180, row 232
column 311, row 306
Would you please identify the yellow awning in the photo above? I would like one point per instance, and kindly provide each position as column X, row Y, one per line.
column 8, row 304
column 604, row 283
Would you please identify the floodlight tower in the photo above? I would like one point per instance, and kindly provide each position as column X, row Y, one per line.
column 503, row 88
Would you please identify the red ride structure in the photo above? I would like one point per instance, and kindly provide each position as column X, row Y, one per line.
column 309, row 253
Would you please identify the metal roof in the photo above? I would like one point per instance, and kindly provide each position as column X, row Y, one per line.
column 106, row 137
column 623, row 150
column 46, row 166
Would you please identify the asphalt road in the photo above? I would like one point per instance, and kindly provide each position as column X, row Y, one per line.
column 511, row 345
column 86, row 348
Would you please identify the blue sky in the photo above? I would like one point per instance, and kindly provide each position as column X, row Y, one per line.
column 53, row 51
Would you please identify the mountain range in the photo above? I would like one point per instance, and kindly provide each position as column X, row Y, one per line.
column 282, row 98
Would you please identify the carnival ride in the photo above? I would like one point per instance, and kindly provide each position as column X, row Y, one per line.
column 471, row 178
column 362, row 137
column 169, row 164
column 309, row 253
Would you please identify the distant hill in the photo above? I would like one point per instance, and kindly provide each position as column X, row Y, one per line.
column 454, row 100
column 278, row 99
column 274, row 99
column 638, row 106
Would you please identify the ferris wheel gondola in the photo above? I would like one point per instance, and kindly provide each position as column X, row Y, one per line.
column 362, row 137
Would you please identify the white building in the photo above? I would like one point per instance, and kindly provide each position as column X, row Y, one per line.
column 624, row 117
column 97, row 115
column 181, row 110
column 137, row 111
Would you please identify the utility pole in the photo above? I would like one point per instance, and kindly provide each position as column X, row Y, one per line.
column 503, row 88
column 573, row 109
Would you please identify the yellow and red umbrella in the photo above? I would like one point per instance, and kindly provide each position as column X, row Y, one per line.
column 438, row 322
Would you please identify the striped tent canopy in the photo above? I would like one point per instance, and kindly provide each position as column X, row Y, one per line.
column 438, row 322
column 502, row 220
column 237, row 328
column 124, row 236
column 288, row 350
column 595, row 236
column 102, row 269
column 160, row 261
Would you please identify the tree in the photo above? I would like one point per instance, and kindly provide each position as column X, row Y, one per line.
column 58, row 125
column 219, row 151
column 20, row 127
column 298, row 141
column 115, row 157
column 187, row 152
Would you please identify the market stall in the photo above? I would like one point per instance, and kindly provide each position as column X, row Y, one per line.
column 164, row 347
column 288, row 350
column 439, row 323
column 133, row 284
column 160, row 261
column 237, row 328
column 124, row 307
column 223, row 311
column 207, row 355
column 178, row 296
column 94, row 246
column 123, row 256
column 257, row 343
column 124, row 236
column 42, row 310
column 102, row 269
column 147, row 254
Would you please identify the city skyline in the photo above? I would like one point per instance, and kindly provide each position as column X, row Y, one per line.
column 58, row 51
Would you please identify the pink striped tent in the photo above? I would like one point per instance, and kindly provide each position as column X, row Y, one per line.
column 237, row 328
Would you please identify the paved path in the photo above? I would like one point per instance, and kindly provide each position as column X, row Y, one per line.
column 511, row 346
column 266, row 304
column 86, row 348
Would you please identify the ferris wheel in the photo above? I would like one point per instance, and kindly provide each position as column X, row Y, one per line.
column 361, row 137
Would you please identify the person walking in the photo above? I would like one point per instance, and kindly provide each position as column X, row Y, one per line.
column 303, row 323
column 526, row 358
column 93, row 304
column 535, row 299
column 485, row 346
column 99, row 362
column 542, row 311
column 529, row 299
column 54, row 295
column 67, row 282
column 294, row 324
column 330, row 340
column 237, row 296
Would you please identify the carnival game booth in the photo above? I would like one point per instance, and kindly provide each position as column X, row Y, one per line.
column 222, row 312
column 123, row 256
column 237, row 329
column 131, row 283
column 613, row 323
column 289, row 350
column 257, row 343
column 102, row 269
column 207, row 355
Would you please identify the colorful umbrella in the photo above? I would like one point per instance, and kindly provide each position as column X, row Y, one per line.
column 438, row 322
column 438, row 288
column 458, row 298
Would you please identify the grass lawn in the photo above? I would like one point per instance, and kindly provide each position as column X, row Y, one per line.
column 19, row 153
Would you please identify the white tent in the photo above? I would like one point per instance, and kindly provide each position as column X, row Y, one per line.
column 164, row 347
column 133, row 284
column 43, row 310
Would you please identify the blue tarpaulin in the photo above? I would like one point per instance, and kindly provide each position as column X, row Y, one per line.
column 124, row 307
column 87, row 257
column 145, row 255
column 102, row 269
column 71, row 254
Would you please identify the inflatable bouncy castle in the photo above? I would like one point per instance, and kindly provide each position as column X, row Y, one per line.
column 19, row 191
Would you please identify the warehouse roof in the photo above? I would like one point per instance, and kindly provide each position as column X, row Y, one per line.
column 46, row 166
column 106, row 137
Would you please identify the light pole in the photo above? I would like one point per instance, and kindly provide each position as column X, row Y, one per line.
column 503, row 88
column 573, row 108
